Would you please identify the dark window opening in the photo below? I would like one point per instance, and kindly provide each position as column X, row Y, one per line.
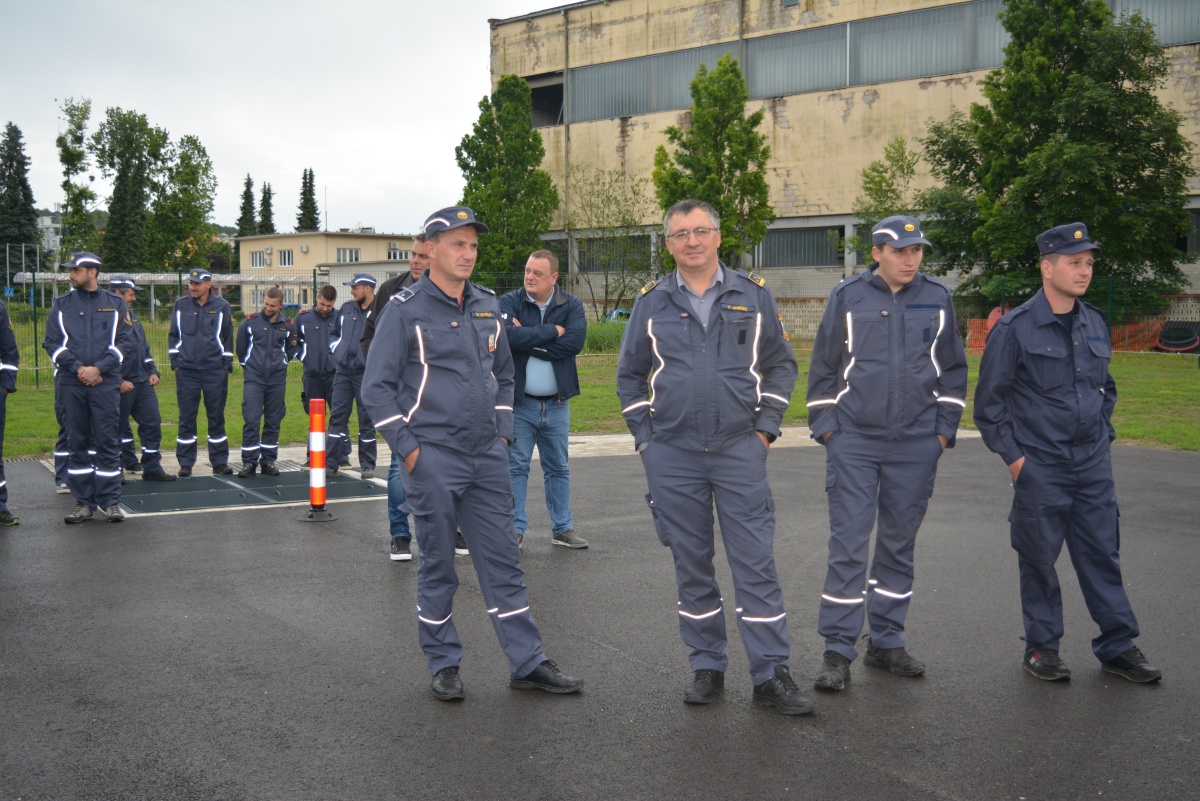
column 547, row 91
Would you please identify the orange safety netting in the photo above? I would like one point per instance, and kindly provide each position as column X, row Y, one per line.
column 1136, row 336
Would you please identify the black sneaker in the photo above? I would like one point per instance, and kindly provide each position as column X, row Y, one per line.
column 897, row 660
column 185, row 472
column 706, row 685
column 548, row 677
column 447, row 686
column 247, row 470
column 222, row 470
column 569, row 539
column 1046, row 664
column 6, row 519
column 782, row 693
column 157, row 475
column 835, row 672
column 269, row 469
column 114, row 513
column 401, row 549
column 1133, row 665
column 82, row 513
column 460, row 545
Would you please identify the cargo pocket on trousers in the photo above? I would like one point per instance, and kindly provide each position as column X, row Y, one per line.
column 659, row 523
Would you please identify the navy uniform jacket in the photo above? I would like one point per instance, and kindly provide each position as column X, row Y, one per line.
column 539, row 338
column 383, row 294
column 88, row 329
column 10, row 354
column 201, row 337
column 440, row 374
column 314, row 335
column 138, row 365
column 264, row 348
column 886, row 364
column 347, row 347
column 699, row 388
column 1044, row 392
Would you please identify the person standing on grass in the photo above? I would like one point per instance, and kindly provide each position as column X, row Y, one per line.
column 347, row 383
column 265, row 345
column 1044, row 403
column 315, row 329
column 546, row 329
column 10, row 360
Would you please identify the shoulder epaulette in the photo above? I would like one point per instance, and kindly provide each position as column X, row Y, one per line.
column 404, row 296
column 303, row 311
column 251, row 316
column 756, row 279
column 649, row 286
column 486, row 289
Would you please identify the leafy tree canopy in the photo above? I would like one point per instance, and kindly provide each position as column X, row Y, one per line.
column 18, row 214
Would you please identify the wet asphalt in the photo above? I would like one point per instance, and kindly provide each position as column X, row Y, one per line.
column 245, row 655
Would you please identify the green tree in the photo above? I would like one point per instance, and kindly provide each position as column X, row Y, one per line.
column 1072, row 130
column 609, row 209
column 308, row 218
column 131, row 151
column 79, row 199
column 247, row 224
column 505, row 185
column 266, row 217
column 18, row 214
column 887, row 189
column 180, row 231
column 720, row 158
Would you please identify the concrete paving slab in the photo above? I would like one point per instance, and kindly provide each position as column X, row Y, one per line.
column 245, row 655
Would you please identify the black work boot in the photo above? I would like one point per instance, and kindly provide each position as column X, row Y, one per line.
column 705, row 687
column 897, row 660
column 247, row 470
column 835, row 672
column 782, row 693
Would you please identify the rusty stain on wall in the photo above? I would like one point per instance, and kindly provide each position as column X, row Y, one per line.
column 776, row 107
column 961, row 82
column 624, row 135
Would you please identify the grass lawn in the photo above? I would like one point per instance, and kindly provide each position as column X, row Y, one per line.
column 1158, row 405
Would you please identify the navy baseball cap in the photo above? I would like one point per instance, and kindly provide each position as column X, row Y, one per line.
column 362, row 279
column 899, row 232
column 451, row 218
column 83, row 259
column 199, row 275
column 1069, row 238
column 122, row 282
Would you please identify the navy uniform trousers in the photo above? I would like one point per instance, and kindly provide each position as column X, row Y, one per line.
column 347, row 390
column 189, row 384
column 94, row 464
column 318, row 385
column 263, row 402
column 1076, row 504
column 61, row 454
column 3, row 480
column 446, row 492
column 866, row 476
column 683, row 485
column 141, row 403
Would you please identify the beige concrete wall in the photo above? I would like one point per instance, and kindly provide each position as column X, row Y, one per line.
column 322, row 249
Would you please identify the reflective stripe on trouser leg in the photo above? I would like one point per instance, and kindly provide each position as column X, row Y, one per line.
column 274, row 409
column 253, row 392
column 187, row 395
column 128, row 451
column 216, row 389
column 145, row 412
column 368, row 447
column 338, row 437
column 61, row 446
column 92, row 424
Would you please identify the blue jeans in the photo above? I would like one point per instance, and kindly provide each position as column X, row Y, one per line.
column 397, row 520
column 546, row 423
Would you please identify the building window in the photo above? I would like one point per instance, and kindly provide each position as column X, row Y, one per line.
column 258, row 258
column 395, row 253
column 289, row 297
column 799, row 247
column 285, row 258
column 347, row 255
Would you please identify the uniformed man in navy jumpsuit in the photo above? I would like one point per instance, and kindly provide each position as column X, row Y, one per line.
column 10, row 360
column 88, row 334
column 439, row 380
column 200, row 344
column 315, row 329
column 886, row 390
column 139, row 400
column 1044, row 403
column 347, row 384
column 265, row 344
column 705, row 374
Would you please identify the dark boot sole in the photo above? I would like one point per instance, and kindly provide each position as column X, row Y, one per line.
column 702, row 699
column 831, row 685
column 783, row 710
column 1135, row 679
column 533, row 685
column 874, row 661
column 1045, row 677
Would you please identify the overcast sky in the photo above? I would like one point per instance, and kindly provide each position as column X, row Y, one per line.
column 373, row 95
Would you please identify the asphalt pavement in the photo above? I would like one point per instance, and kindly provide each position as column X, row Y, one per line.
column 245, row 655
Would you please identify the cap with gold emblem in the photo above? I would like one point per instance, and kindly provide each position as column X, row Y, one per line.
column 899, row 232
column 1069, row 238
column 453, row 217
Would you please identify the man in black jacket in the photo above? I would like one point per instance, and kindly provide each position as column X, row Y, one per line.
column 546, row 329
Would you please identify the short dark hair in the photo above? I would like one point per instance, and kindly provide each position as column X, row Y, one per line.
column 548, row 256
column 329, row 292
column 685, row 207
column 419, row 238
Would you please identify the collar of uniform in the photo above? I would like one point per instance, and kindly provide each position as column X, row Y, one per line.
column 678, row 285
column 435, row 291
column 1039, row 306
column 879, row 283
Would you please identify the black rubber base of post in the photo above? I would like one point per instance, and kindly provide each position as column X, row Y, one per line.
column 318, row 516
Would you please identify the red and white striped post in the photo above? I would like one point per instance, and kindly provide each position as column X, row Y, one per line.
column 317, row 512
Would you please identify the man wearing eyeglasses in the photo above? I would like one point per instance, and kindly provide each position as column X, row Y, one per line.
column 886, row 388
column 705, row 374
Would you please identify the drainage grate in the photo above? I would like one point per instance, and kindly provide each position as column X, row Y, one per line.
column 200, row 493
